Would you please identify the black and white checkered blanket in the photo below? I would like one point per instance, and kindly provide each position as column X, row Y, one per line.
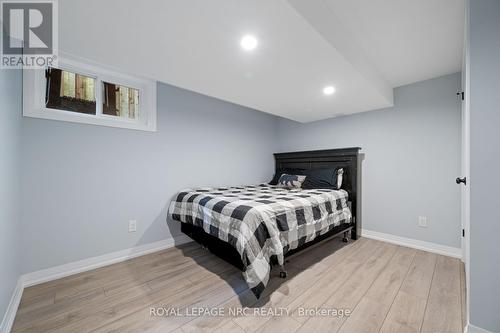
column 261, row 221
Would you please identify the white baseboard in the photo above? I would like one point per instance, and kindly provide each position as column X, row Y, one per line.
column 10, row 314
column 474, row 329
column 449, row 251
column 57, row 272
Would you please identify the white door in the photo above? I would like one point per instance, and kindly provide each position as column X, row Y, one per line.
column 466, row 160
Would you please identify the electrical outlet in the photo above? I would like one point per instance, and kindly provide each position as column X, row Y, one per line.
column 422, row 221
column 132, row 226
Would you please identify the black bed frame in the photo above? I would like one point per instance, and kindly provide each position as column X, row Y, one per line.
column 347, row 158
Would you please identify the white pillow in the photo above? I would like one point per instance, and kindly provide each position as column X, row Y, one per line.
column 340, row 173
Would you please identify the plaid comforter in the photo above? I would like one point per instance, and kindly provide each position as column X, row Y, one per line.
column 261, row 221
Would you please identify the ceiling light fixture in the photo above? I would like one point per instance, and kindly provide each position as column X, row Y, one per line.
column 329, row 90
column 249, row 42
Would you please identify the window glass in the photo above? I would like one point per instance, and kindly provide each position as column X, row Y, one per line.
column 70, row 91
column 120, row 101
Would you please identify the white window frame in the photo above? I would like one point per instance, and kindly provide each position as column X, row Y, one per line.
column 34, row 84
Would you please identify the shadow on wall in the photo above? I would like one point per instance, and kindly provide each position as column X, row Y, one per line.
column 161, row 225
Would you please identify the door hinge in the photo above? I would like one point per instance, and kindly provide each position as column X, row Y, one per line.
column 463, row 232
column 461, row 94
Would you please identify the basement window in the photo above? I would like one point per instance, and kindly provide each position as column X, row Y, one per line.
column 120, row 101
column 82, row 93
column 70, row 91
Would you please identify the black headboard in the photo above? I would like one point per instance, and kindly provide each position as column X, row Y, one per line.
column 347, row 158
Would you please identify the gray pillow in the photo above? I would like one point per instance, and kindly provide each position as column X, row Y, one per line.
column 323, row 178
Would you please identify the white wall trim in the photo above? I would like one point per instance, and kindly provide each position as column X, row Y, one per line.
column 474, row 329
column 84, row 265
column 449, row 251
column 10, row 314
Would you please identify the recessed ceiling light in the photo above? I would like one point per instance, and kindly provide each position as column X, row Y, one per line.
column 328, row 90
column 249, row 42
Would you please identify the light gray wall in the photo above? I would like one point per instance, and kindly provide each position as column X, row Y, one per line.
column 82, row 184
column 485, row 164
column 411, row 158
column 10, row 121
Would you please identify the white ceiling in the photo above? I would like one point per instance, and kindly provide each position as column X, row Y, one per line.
column 407, row 40
column 362, row 47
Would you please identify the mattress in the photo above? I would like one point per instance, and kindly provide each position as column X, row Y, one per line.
column 261, row 221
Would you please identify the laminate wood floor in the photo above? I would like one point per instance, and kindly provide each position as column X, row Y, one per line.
column 362, row 286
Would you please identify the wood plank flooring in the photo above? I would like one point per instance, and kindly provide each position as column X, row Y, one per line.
column 380, row 287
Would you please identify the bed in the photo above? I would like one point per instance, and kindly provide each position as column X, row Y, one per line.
column 255, row 226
